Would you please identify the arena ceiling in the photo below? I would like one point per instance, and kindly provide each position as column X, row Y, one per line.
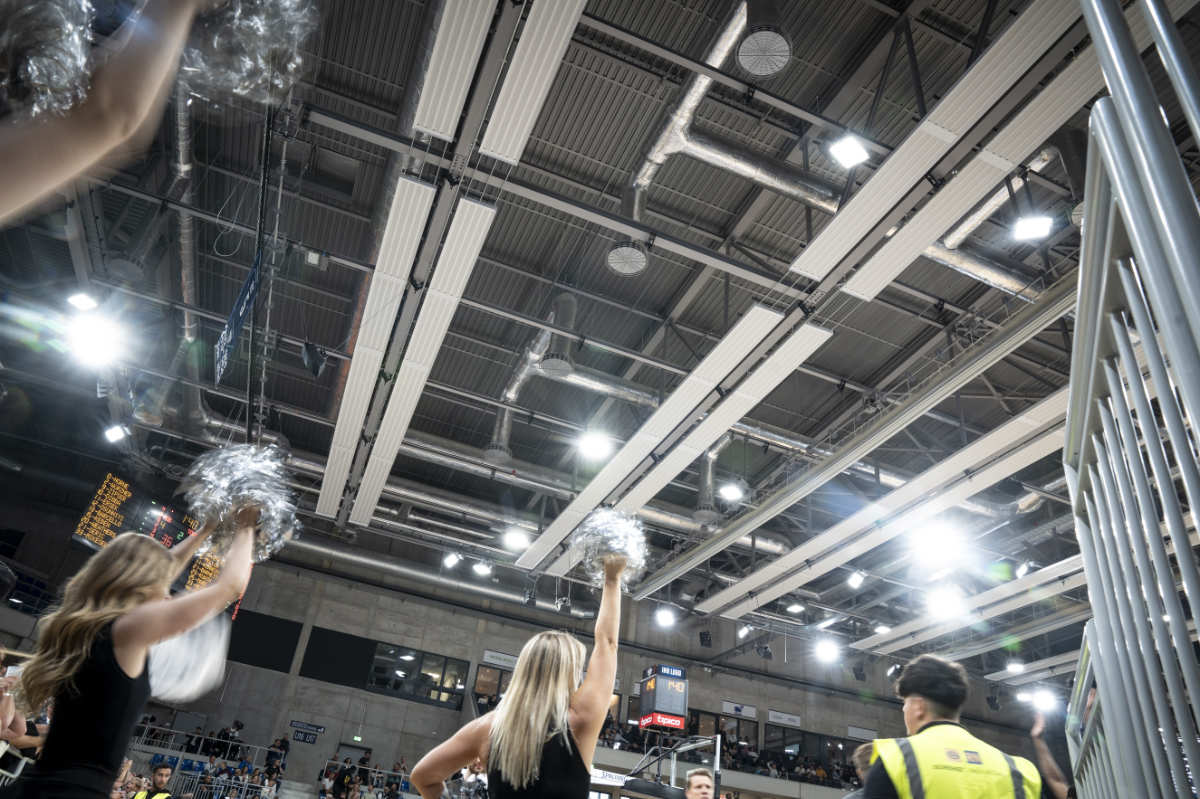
column 900, row 448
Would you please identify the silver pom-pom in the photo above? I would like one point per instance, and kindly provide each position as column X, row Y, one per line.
column 45, row 47
column 222, row 480
column 605, row 532
column 191, row 664
column 249, row 48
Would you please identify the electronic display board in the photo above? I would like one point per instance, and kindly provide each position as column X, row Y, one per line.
column 118, row 507
column 664, row 697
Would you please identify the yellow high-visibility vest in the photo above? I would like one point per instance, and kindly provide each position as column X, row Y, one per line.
column 944, row 761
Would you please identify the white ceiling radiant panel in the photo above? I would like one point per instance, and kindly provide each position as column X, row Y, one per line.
column 1001, row 66
column 360, row 384
column 1048, row 111
column 405, row 223
column 730, row 351
column 534, row 64
column 795, row 349
column 338, row 463
column 455, row 262
column 452, row 63
column 941, row 474
column 1031, row 452
column 1035, row 670
column 397, row 249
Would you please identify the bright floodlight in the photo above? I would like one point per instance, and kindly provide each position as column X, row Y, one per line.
column 83, row 302
column 827, row 650
column 946, row 602
column 1023, row 570
column 1024, row 696
column 849, row 151
column 732, row 491
column 451, row 560
column 95, row 340
column 855, row 580
column 115, row 433
column 516, row 539
column 1015, row 667
column 937, row 546
column 1032, row 228
column 1044, row 700
column 664, row 617
column 595, row 446
column 744, row 630
column 795, row 607
column 482, row 568
column 882, row 629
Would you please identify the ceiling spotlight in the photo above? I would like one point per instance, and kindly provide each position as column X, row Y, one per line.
column 764, row 652
column 482, row 568
column 516, row 539
column 828, row 622
column 95, row 340
column 1044, row 700
column 399, row 673
column 938, row 547
column 530, row 598
column 1024, row 696
column 627, row 257
column 408, row 657
column 765, row 50
column 116, row 433
column 563, row 604
column 893, row 670
column 827, row 650
column 594, row 446
column 733, row 491
column 451, row 560
column 1032, row 228
column 83, row 302
column 946, row 602
column 1015, row 667
column 855, row 580
column 882, row 629
column 664, row 617
column 744, row 630
column 795, row 608
column 849, row 151
column 1023, row 569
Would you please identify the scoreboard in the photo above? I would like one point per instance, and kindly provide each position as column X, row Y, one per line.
column 664, row 700
column 117, row 507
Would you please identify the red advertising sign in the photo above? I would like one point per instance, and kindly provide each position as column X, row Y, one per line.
column 662, row 720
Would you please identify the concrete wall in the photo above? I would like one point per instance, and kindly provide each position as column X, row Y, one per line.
column 826, row 698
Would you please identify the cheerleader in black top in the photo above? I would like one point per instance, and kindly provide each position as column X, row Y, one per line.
column 539, row 742
column 91, row 654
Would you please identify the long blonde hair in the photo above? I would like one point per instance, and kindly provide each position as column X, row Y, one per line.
column 131, row 570
column 535, row 708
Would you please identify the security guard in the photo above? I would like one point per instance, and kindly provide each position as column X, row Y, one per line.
column 158, row 779
column 939, row 759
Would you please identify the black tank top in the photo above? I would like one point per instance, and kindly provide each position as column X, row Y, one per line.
column 562, row 775
column 91, row 726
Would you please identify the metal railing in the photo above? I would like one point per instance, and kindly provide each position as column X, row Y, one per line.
column 1135, row 380
column 379, row 782
column 191, row 752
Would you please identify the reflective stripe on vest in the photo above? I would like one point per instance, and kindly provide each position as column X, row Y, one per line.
column 915, row 786
column 946, row 762
column 1018, row 779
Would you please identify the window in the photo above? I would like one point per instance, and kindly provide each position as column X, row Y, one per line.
column 702, row 723
column 634, row 713
column 422, row 676
column 490, row 685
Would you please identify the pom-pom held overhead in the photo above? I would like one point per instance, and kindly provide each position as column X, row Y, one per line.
column 607, row 532
column 191, row 664
column 45, row 47
column 222, row 480
column 248, row 48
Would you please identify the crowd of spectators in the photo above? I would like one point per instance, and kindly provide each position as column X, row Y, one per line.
column 742, row 757
column 364, row 780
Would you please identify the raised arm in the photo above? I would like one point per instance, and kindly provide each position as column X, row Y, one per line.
column 1052, row 775
column 147, row 624
column 183, row 553
column 36, row 159
column 589, row 705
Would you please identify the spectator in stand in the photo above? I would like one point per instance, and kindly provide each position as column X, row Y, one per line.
column 403, row 769
column 862, row 764
column 364, row 767
column 286, row 746
column 194, row 741
column 158, row 784
column 270, row 788
column 326, row 784
column 274, row 752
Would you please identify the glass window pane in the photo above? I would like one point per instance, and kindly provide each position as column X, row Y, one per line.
column 430, row 678
column 748, row 731
column 635, row 709
column 776, row 738
column 505, row 679
column 729, row 731
column 456, row 673
column 487, row 681
column 708, row 724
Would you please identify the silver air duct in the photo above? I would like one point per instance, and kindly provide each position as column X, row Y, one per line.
column 706, row 504
column 677, row 137
column 557, row 363
column 766, row 49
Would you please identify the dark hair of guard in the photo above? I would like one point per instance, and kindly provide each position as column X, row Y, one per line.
column 938, row 681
